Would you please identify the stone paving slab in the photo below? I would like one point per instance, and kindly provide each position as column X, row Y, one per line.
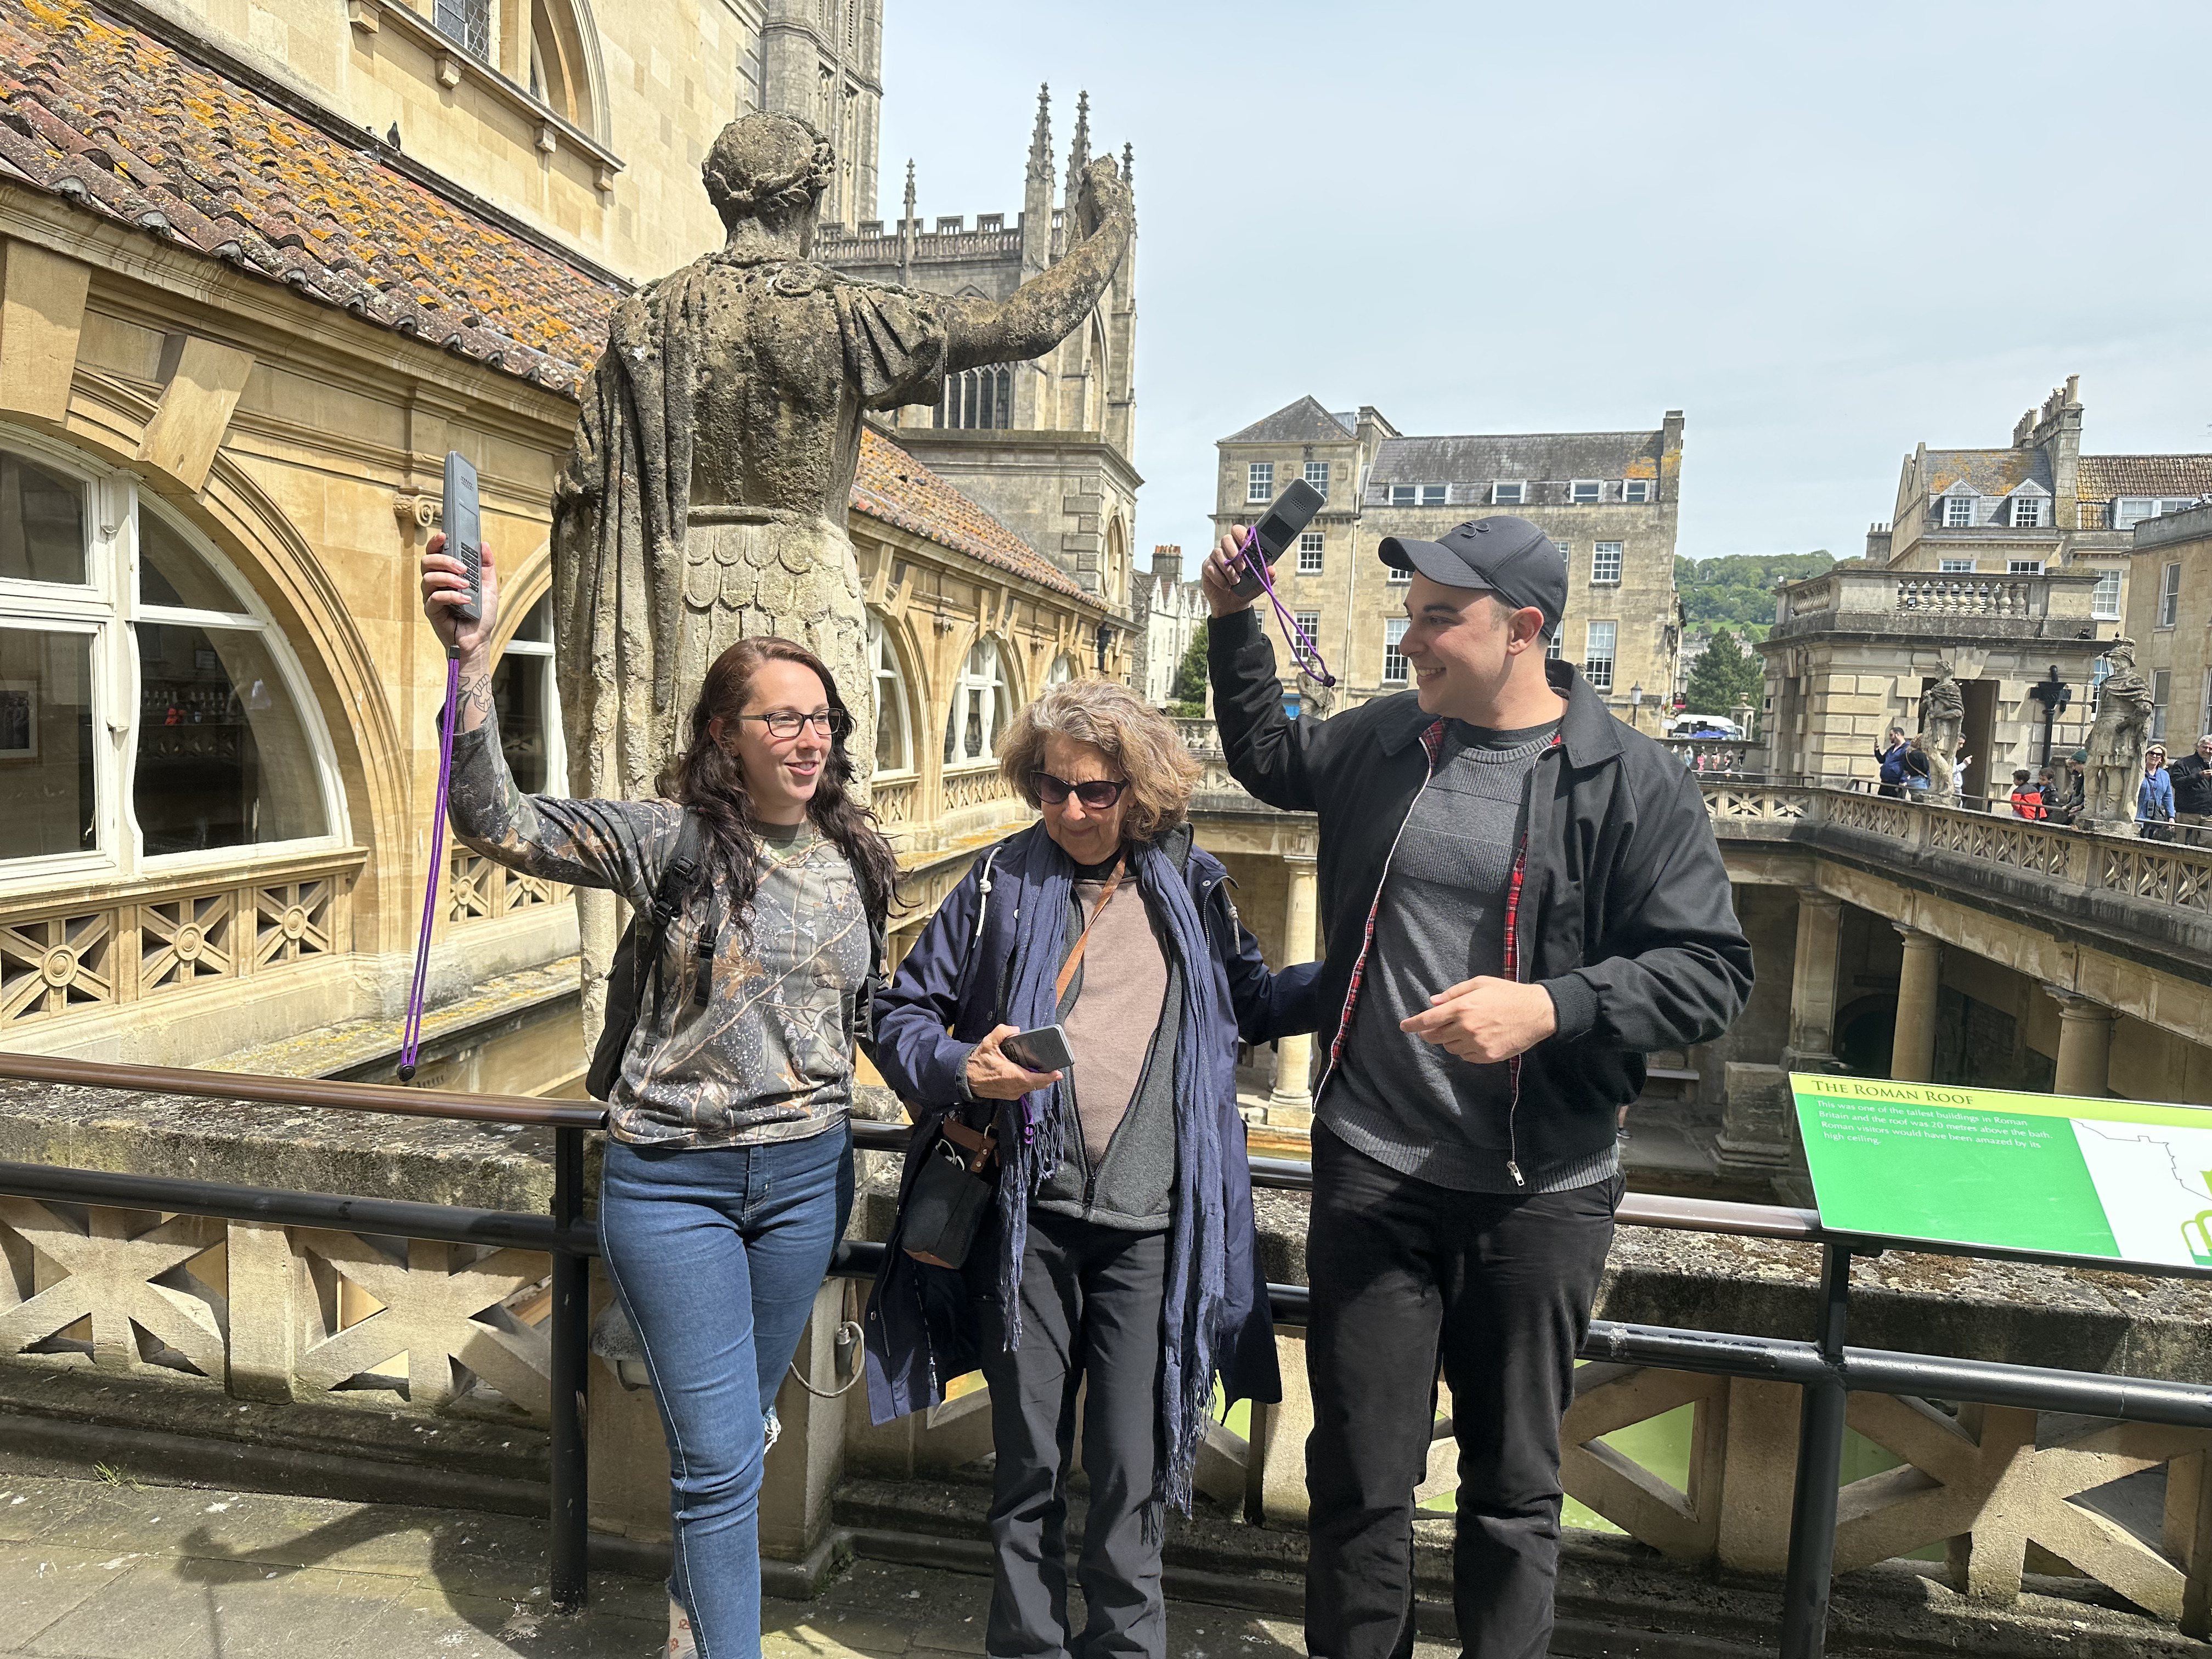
column 97, row 1569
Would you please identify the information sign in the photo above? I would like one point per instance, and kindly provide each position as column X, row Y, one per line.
column 2061, row 1174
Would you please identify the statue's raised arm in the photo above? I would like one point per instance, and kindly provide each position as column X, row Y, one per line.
column 1045, row 310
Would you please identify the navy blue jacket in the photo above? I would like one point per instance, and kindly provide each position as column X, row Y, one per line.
column 920, row 1331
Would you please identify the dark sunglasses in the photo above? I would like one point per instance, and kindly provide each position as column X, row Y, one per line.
column 1097, row 795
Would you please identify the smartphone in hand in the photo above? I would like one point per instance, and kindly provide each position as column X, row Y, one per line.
column 1042, row 1049
column 1292, row 511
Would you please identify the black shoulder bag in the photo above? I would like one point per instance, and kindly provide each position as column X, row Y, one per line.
column 641, row 942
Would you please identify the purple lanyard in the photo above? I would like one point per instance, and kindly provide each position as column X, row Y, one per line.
column 410, row 1036
column 1303, row 649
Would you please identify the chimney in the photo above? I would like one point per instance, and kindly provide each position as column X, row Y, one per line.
column 1167, row 564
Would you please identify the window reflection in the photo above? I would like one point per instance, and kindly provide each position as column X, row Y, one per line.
column 222, row 757
column 523, row 692
column 171, row 573
column 41, row 523
column 46, row 798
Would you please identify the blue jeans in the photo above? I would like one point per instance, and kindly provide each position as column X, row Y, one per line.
column 716, row 1254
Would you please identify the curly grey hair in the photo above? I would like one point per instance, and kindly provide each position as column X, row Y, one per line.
column 767, row 167
column 1135, row 738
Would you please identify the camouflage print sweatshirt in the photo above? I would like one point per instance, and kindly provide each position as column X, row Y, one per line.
column 762, row 1050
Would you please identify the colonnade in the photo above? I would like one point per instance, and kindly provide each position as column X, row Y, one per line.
column 2083, row 1063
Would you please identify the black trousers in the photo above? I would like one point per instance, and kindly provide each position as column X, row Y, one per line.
column 1405, row 1274
column 1091, row 1313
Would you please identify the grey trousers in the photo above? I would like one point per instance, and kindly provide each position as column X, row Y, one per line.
column 1090, row 1312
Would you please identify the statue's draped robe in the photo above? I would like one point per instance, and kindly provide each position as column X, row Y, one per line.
column 705, row 501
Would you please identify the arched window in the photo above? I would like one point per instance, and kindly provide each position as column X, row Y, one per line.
column 979, row 706
column 1063, row 670
column 978, row 399
column 529, row 705
column 894, row 749
column 113, row 618
column 559, row 61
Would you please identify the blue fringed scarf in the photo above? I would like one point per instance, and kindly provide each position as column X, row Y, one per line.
column 1032, row 1141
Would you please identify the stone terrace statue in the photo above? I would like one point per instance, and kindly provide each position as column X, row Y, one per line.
column 1943, row 714
column 705, row 499
column 2116, row 743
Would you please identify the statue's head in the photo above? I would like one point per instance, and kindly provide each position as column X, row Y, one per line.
column 770, row 167
column 2121, row 652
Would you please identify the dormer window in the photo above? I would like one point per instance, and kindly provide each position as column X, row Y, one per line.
column 2027, row 512
column 1509, row 494
column 1636, row 489
column 1958, row 511
column 1584, row 491
column 2130, row 510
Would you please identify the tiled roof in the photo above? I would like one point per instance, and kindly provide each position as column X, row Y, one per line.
column 2101, row 477
column 1533, row 456
column 126, row 127
column 1988, row 471
column 894, row 487
column 1305, row 422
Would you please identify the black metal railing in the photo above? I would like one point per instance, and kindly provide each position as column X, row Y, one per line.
column 1823, row 1368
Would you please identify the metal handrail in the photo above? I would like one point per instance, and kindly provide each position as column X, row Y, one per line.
column 522, row 1109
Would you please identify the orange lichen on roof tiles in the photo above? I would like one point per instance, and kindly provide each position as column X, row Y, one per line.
column 2101, row 477
column 891, row 486
column 123, row 126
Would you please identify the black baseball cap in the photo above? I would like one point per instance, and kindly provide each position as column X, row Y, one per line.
column 1504, row 556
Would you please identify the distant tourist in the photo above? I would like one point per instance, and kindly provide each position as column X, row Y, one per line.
column 728, row 1171
column 2154, row 797
column 2191, row 776
column 1960, row 760
column 2027, row 797
column 1889, row 756
column 1499, row 989
column 1115, row 1251
column 1918, row 769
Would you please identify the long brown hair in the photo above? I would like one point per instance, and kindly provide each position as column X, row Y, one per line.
column 711, row 783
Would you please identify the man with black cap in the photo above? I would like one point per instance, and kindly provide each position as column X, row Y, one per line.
column 1520, row 897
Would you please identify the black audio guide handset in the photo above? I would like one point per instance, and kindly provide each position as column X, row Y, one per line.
column 465, row 530
column 1291, row 512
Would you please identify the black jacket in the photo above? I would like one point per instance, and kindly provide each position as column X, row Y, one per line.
column 1624, row 913
column 2193, row 784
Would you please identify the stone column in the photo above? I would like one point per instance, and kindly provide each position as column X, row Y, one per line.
column 2085, row 1045
column 1913, row 1054
column 1812, row 1045
column 1294, row 1055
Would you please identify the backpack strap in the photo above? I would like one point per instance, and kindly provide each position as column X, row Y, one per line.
column 669, row 896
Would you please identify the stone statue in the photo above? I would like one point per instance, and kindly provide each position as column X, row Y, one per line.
column 705, row 499
column 2116, row 743
column 1942, row 714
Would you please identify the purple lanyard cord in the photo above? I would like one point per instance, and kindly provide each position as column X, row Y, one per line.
column 411, row 1037
column 1304, row 650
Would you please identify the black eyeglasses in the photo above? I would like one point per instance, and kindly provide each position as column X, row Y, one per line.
column 832, row 723
column 1097, row 793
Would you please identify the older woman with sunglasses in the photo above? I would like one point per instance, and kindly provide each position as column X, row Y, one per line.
column 1121, row 1248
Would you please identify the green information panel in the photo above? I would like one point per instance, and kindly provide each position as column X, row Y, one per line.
column 2113, row 1180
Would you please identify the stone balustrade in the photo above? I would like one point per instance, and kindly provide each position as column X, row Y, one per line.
column 294, row 1321
column 478, row 889
column 2058, row 604
column 137, row 941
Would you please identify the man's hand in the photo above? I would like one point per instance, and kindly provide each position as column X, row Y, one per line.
column 1223, row 571
column 1486, row 1020
column 991, row 1076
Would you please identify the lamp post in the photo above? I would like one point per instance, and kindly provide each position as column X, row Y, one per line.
column 1635, row 706
column 2055, row 695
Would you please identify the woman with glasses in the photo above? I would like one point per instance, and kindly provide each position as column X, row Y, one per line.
column 1120, row 1249
column 728, row 1176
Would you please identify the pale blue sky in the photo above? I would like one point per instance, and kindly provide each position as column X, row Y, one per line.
column 1826, row 235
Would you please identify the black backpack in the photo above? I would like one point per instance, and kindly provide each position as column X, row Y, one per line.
column 642, row 941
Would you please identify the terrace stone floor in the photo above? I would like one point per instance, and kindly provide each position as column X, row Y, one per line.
column 106, row 1569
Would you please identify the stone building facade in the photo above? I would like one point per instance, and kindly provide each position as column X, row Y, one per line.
column 1610, row 500
column 1853, row 651
column 1046, row 446
column 2039, row 506
column 1165, row 612
column 2170, row 619
column 235, row 350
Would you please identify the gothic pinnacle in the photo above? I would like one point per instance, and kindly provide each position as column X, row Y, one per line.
column 1079, row 153
column 1041, row 139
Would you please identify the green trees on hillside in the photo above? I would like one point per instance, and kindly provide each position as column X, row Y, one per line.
column 1738, row 590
